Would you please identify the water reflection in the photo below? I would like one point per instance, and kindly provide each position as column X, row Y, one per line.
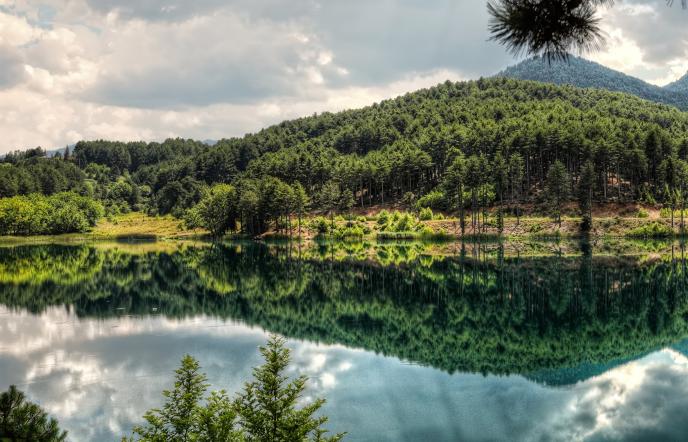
column 407, row 343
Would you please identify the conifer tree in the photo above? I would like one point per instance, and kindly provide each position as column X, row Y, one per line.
column 585, row 189
column 557, row 189
column 267, row 408
column 24, row 421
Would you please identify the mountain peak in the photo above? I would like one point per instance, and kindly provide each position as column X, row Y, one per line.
column 580, row 72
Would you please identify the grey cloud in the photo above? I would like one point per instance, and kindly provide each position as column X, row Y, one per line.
column 11, row 67
column 375, row 43
column 179, row 10
column 384, row 40
column 655, row 412
column 661, row 31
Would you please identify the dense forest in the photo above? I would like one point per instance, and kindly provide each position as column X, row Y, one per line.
column 458, row 147
column 679, row 86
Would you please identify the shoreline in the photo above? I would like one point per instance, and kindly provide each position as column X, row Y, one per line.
column 139, row 227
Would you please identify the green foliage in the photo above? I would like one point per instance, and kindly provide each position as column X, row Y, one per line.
column 266, row 410
column 216, row 211
column 383, row 218
column 553, row 28
column 586, row 186
column 42, row 215
column 425, row 214
column 455, row 146
column 22, row 175
column 320, row 225
column 21, row 420
column 557, row 189
column 652, row 230
column 642, row 213
column 583, row 73
column 179, row 418
column 435, row 199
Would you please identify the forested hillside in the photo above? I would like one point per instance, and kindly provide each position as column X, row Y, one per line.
column 579, row 72
column 457, row 146
column 679, row 86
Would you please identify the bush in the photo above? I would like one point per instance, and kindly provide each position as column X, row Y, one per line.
column 349, row 232
column 383, row 218
column 396, row 235
column 642, row 213
column 425, row 214
column 433, row 200
column 320, row 225
column 406, row 223
column 652, row 230
column 42, row 215
column 408, row 199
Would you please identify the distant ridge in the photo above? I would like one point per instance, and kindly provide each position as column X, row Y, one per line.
column 680, row 85
column 588, row 74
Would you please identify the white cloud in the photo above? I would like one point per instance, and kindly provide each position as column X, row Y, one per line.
column 647, row 39
column 212, row 69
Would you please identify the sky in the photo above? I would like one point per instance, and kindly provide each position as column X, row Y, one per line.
column 209, row 69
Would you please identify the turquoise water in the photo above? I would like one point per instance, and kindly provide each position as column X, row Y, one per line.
column 406, row 342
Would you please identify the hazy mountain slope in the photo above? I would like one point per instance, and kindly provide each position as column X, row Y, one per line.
column 583, row 73
column 678, row 86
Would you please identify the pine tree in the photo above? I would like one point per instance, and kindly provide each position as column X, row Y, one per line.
column 24, row 421
column 501, row 182
column 516, row 181
column 585, row 189
column 267, row 408
column 557, row 189
column 300, row 202
column 176, row 420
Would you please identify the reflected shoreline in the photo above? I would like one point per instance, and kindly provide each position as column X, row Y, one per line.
column 478, row 309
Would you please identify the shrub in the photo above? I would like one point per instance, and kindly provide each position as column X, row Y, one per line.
column 433, row 200
column 652, row 230
column 42, row 215
column 349, row 232
column 320, row 225
column 408, row 199
column 425, row 214
column 642, row 213
column 406, row 223
column 383, row 218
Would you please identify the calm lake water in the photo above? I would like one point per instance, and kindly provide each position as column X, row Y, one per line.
column 408, row 342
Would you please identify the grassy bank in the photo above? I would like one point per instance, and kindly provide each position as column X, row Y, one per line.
column 386, row 225
column 127, row 227
column 608, row 222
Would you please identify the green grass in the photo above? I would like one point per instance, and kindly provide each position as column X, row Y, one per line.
column 138, row 225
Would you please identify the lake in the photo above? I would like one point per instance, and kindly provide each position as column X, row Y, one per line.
column 406, row 341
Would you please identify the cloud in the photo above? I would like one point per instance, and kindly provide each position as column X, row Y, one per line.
column 208, row 60
column 98, row 376
column 12, row 67
column 647, row 39
column 218, row 68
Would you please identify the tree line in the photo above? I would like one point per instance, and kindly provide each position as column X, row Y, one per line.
column 461, row 147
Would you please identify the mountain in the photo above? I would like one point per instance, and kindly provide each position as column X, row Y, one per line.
column 678, row 86
column 587, row 74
